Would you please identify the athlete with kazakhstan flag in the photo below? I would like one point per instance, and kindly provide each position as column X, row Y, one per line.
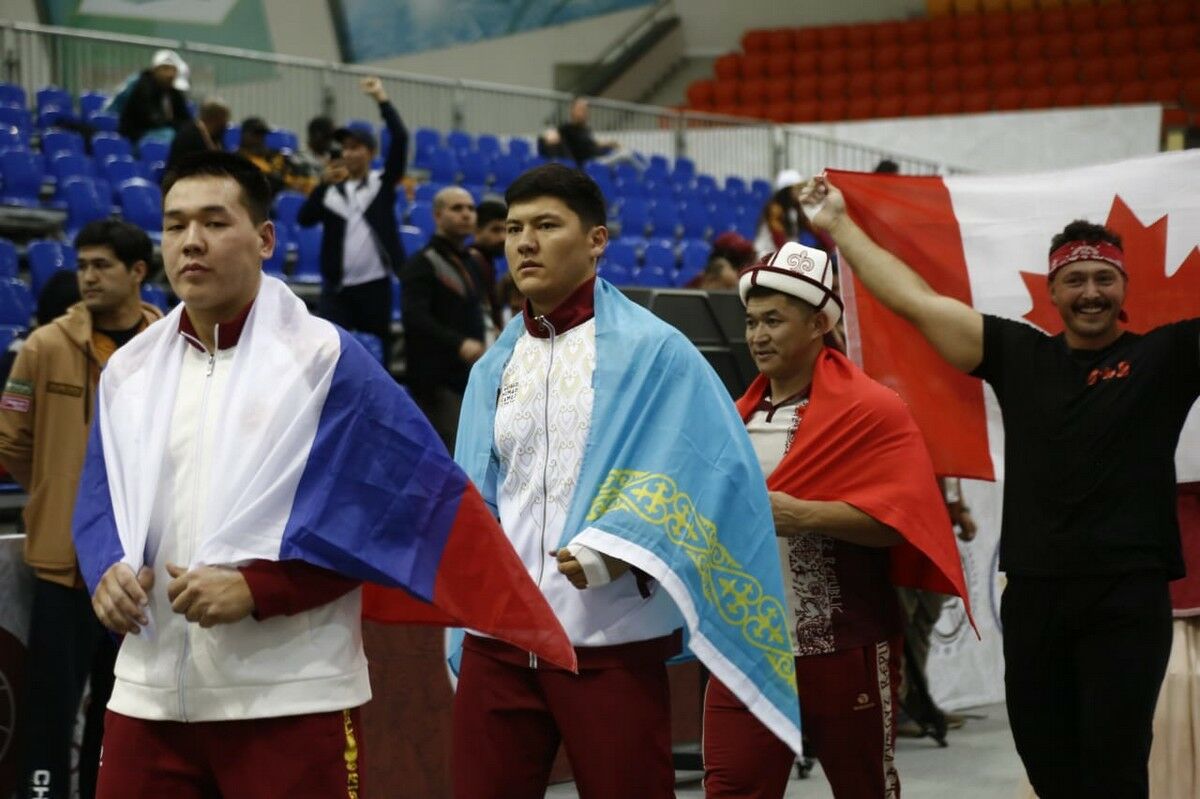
column 625, row 480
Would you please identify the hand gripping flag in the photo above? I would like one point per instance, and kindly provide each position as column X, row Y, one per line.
column 670, row 484
column 318, row 456
column 985, row 239
column 858, row 444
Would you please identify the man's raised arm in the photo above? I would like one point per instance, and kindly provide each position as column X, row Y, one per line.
column 953, row 328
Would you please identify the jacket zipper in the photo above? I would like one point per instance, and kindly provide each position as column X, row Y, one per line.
column 187, row 630
column 545, row 323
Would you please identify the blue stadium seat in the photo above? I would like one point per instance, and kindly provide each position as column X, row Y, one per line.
column 653, row 277
column 16, row 302
column 12, row 94
column 684, row 171
column 617, row 274
column 443, row 166
column 151, row 151
column 724, row 217
column 658, row 172
column 66, row 165
column 54, row 96
column 9, row 262
column 488, row 144
column 696, row 219
column 694, row 255
column 85, row 202
column 47, row 256
column 706, row 183
column 22, row 178
column 105, row 145
column 477, row 191
column 370, row 343
column 11, row 137
column 401, row 206
column 634, row 214
column 308, row 255
column 620, row 253
column 460, row 142
column 735, row 186
column 16, row 117
column 91, row 103
column 156, row 295
column 421, row 216
column 396, row 304
column 627, row 172
column 274, row 265
column 631, row 188
column 425, row 141
column 664, row 217
column 61, row 141
column 506, row 169
column 52, row 116
column 119, row 168
column 413, row 238
column 521, row 148
column 476, row 167
column 287, row 206
column 7, row 334
column 105, row 122
column 760, row 190
column 426, row 191
column 659, row 255
column 141, row 204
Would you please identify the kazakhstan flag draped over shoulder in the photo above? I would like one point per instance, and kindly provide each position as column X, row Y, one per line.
column 670, row 484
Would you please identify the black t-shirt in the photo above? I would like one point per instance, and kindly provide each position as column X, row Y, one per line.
column 1089, row 452
column 122, row 337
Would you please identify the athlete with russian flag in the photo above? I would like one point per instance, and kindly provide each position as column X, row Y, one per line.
column 857, row 509
column 250, row 466
column 1090, row 538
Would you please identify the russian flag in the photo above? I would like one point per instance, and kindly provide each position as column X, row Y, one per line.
column 318, row 456
column 985, row 239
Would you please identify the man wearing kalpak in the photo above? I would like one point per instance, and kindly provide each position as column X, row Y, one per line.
column 620, row 471
column 1090, row 538
column 250, row 464
column 856, row 507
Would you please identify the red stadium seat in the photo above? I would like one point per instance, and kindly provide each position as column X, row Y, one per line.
column 968, row 27
column 779, row 65
column 1175, row 118
column 1187, row 65
column 1177, row 12
column 756, row 111
column 1097, row 69
column 1057, row 45
column 858, row 59
column 974, row 78
column 968, row 52
column 1029, row 49
column 1063, row 72
column 1033, row 73
column 1007, row 73
column 1156, row 65
column 1136, row 91
column 1068, row 95
column 804, row 87
column 701, row 93
column 860, row 84
column 941, row 29
column 1111, row 16
column 1120, row 41
column 752, row 92
column 754, row 65
column 1166, row 90
column 806, row 111
column 918, row 105
column 726, row 110
column 779, row 91
column 1125, row 68
column 886, row 56
column 832, row 110
column 976, row 102
column 998, row 49
column 1183, row 37
column 780, row 111
column 1082, row 18
column 1100, row 94
column 1191, row 92
column 996, row 25
column 945, row 80
column 1025, row 23
column 860, row 108
column 890, row 83
column 780, row 41
column 886, row 34
column 728, row 67
column 915, row 56
column 942, row 54
column 914, row 31
column 832, row 86
column 947, row 103
column 756, row 41
column 1010, row 99
column 1039, row 97
column 1055, row 20
column 1151, row 40
column 917, row 81
column 806, row 38
column 831, row 36
column 725, row 92
column 1093, row 44
column 828, row 61
column 889, row 107
column 858, row 35
column 1143, row 15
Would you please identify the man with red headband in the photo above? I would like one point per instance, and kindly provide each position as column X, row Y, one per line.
column 856, row 507
column 1090, row 538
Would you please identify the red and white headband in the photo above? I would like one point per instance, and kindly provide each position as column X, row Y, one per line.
column 1074, row 251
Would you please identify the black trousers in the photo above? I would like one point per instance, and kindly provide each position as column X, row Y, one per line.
column 366, row 307
column 67, row 647
column 1084, row 660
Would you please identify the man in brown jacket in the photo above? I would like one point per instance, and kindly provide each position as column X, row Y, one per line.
column 45, row 412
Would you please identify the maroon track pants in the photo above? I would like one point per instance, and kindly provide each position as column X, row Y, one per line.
column 317, row 756
column 846, row 708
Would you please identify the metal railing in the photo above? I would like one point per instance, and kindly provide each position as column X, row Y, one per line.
column 289, row 90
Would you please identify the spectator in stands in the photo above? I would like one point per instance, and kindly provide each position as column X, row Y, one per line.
column 279, row 169
column 206, row 132
column 782, row 220
column 445, row 305
column 45, row 413
column 823, row 429
column 155, row 106
column 731, row 253
column 360, row 243
column 312, row 160
column 579, row 141
column 887, row 167
column 487, row 247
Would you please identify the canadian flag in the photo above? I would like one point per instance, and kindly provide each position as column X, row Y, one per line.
column 985, row 240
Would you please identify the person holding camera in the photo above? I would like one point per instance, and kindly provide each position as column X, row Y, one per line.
column 360, row 247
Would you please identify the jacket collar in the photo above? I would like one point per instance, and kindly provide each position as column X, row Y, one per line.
column 576, row 309
column 228, row 333
column 76, row 323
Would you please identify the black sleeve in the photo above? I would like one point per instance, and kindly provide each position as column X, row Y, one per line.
column 1006, row 345
column 179, row 109
column 313, row 210
column 136, row 114
column 417, row 286
column 396, row 159
column 1185, row 338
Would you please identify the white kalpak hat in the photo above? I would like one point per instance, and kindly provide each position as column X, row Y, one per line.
column 797, row 270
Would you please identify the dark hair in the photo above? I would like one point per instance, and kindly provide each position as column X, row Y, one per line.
column 577, row 191
column 1083, row 230
column 321, row 126
column 887, row 167
column 128, row 241
column 794, row 220
column 59, row 292
column 489, row 211
column 256, row 192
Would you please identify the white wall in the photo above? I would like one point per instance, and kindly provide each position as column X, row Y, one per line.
column 1012, row 142
column 713, row 27
column 19, row 10
column 302, row 28
column 525, row 59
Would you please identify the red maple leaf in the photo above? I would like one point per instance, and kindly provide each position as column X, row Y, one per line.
column 1152, row 298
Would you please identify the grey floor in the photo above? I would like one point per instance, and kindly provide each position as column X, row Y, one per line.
column 979, row 763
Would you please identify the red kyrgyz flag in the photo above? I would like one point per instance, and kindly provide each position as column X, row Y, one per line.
column 984, row 239
column 858, row 444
